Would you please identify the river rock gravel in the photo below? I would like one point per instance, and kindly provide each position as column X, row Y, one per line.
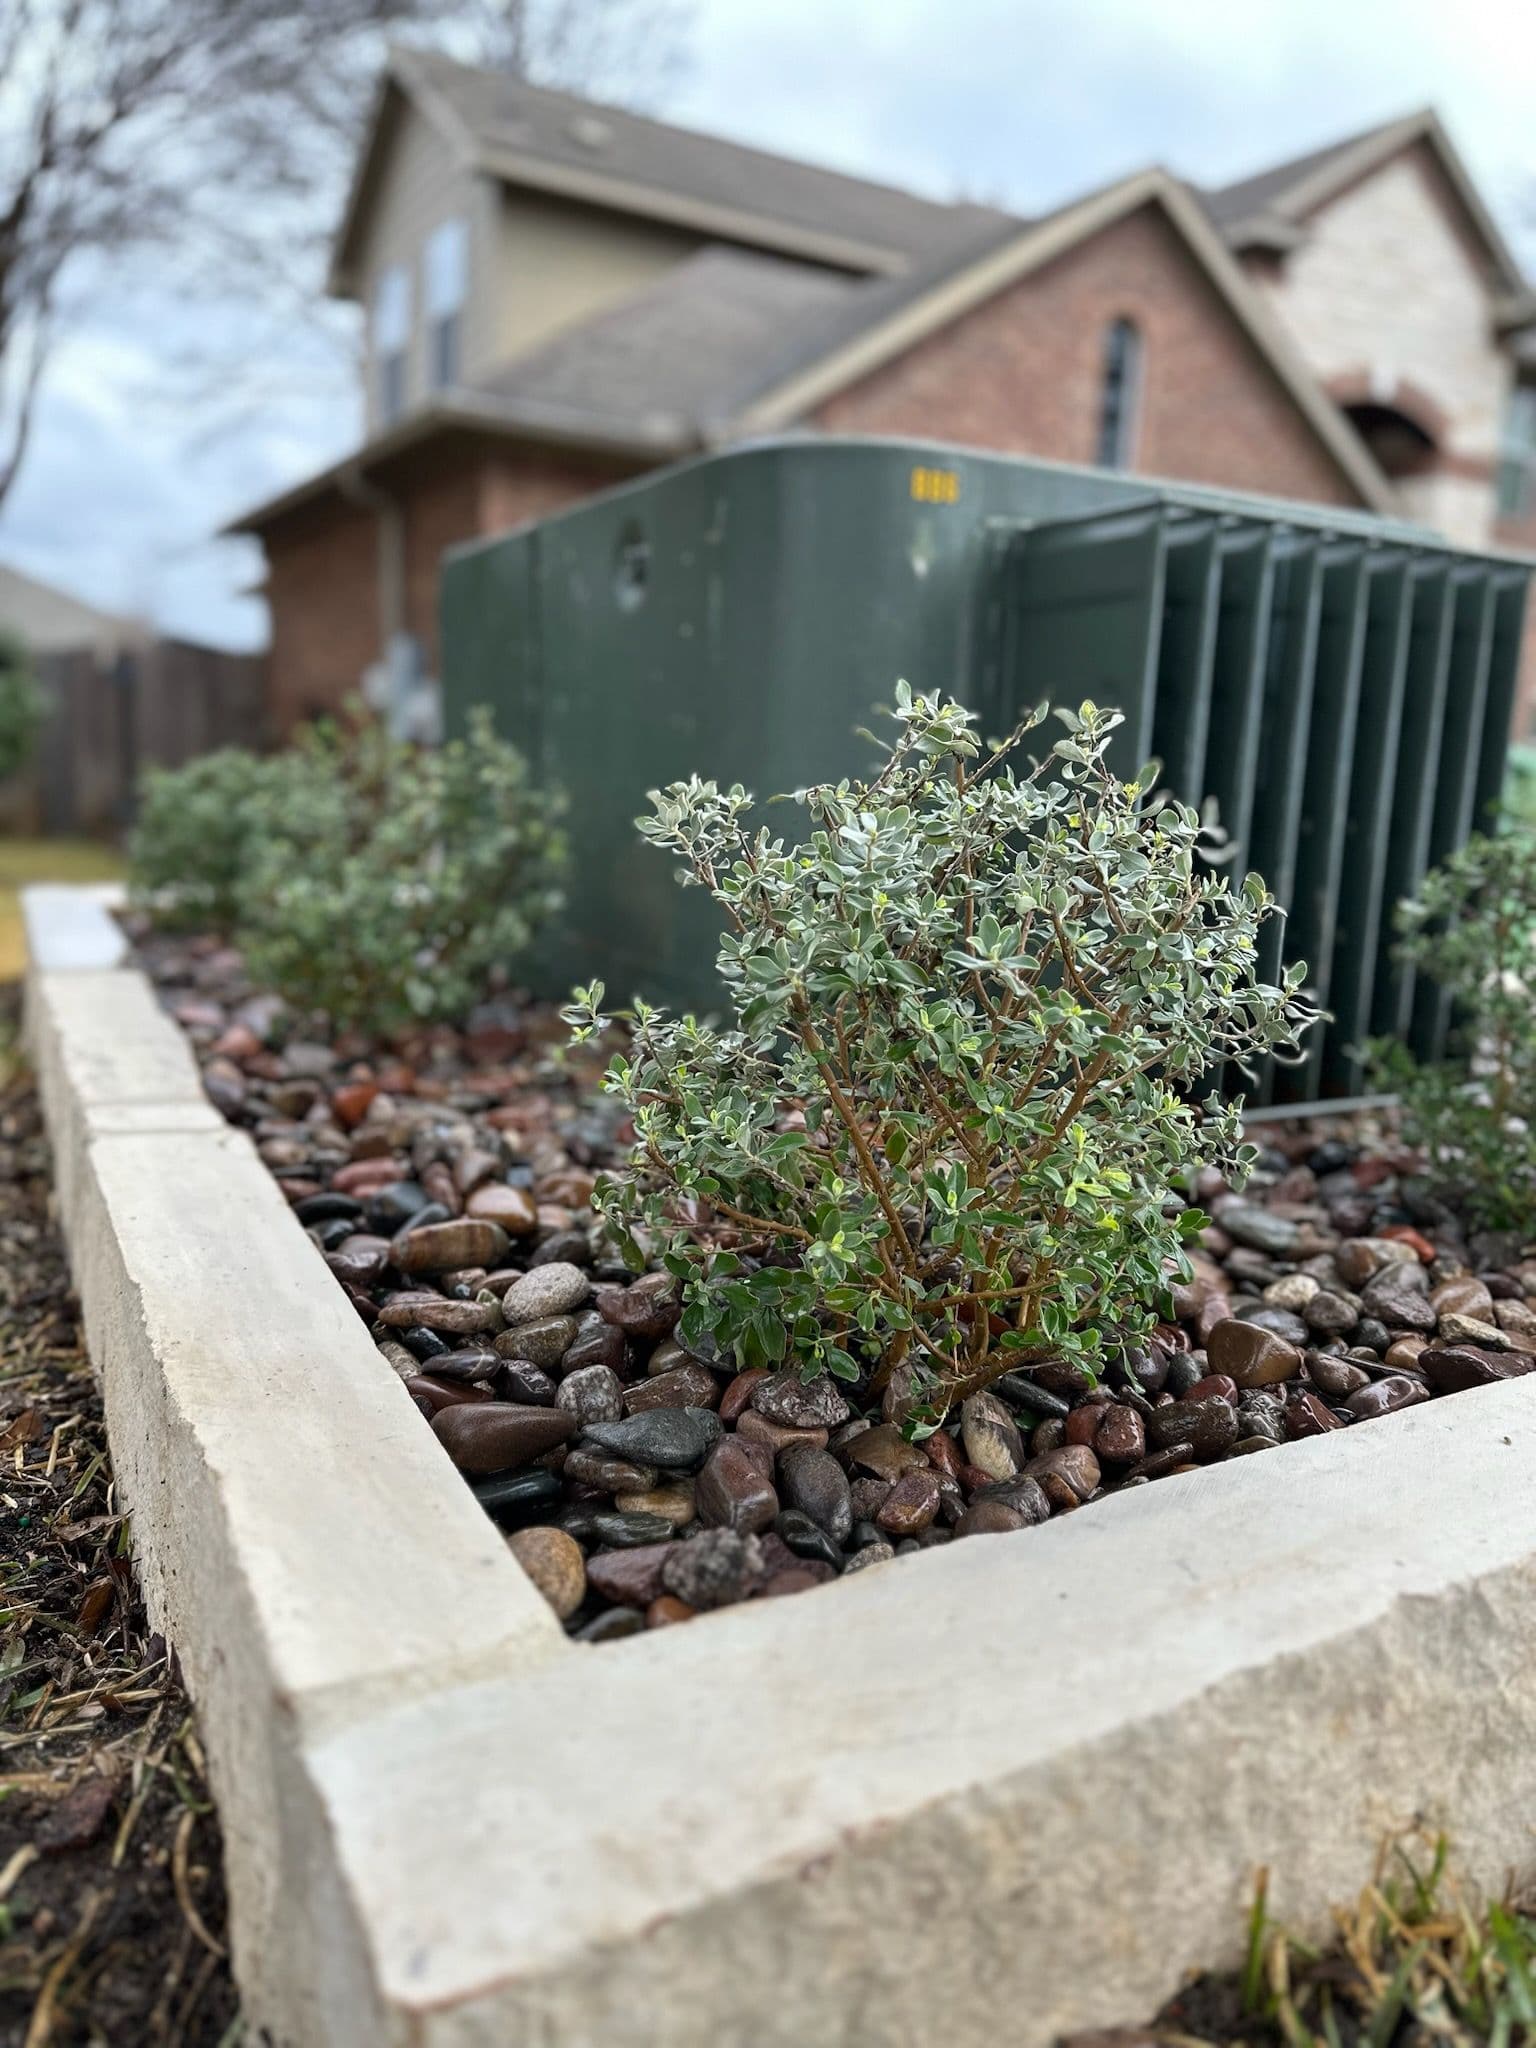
column 446, row 1181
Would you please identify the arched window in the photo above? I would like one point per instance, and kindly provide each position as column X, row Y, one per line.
column 1119, row 395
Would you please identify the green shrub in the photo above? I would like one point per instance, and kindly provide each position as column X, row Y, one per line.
column 23, row 706
column 388, row 883
column 1472, row 930
column 192, row 844
column 381, row 883
column 969, row 1009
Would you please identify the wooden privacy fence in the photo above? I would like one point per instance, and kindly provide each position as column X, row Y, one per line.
column 112, row 715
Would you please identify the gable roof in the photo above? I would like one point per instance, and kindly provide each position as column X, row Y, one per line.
column 732, row 342
column 556, row 143
column 53, row 621
column 1270, row 209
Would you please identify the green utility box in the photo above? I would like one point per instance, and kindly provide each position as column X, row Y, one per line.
column 1341, row 686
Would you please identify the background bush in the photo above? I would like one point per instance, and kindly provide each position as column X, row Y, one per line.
column 191, row 847
column 1472, row 930
column 23, row 706
column 970, row 1008
column 381, row 883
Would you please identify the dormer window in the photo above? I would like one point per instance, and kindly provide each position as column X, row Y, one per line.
column 446, row 265
column 1119, row 395
column 391, row 340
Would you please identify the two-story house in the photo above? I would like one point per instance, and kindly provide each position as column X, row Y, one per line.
column 559, row 294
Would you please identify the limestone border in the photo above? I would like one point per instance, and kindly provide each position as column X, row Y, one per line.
column 1011, row 1787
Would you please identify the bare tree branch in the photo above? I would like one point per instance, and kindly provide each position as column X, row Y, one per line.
column 210, row 141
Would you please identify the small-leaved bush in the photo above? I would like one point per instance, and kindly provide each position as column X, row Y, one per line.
column 196, row 834
column 972, row 1006
column 1471, row 929
column 381, row 883
column 23, row 706
column 388, row 890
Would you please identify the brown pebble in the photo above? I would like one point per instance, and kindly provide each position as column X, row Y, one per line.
column 667, row 1609
column 555, row 1564
column 513, row 1209
column 498, row 1436
column 911, row 1503
column 737, row 1397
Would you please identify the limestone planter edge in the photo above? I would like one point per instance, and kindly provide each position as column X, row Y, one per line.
column 1010, row 1787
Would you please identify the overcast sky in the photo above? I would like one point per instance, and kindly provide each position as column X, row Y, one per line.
column 1011, row 101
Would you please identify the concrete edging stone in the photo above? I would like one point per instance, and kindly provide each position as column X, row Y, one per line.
column 1005, row 1789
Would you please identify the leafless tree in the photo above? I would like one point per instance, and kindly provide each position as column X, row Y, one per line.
column 208, row 140
column 618, row 50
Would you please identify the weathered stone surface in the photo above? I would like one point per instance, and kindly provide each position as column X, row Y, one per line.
column 675, row 1439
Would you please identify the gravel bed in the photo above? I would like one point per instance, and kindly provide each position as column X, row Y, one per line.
column 445, row 1181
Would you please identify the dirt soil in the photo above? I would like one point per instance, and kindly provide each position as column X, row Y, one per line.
column 112, row 1916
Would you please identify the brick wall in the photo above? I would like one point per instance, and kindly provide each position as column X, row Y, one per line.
column 1022, row 374
column 323, row 562
column 323, row 596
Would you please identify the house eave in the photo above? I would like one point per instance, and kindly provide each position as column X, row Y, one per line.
column 659, row 438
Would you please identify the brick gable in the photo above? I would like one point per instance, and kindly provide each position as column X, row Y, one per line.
column 1021, row 374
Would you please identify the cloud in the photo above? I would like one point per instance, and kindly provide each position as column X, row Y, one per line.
column 136, row 463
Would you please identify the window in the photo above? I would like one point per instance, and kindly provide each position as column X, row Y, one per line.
column 391, row 339
column 1517, row 455
column 447, row 286
column 1119, row 395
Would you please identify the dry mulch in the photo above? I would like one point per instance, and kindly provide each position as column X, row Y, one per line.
column 112, row 1913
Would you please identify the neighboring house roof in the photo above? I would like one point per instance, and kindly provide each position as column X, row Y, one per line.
column 553, row 142
column 1270, row 210
column 50, row 621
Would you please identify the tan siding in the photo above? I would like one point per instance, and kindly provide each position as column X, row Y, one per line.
column 555, row 264
column 422, row 185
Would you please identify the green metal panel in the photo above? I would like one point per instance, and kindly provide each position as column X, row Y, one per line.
column 1242, row 653
column 1086, row 603
column 1461, row 742
column 1368, row 824
column 1418, row 770
column 1312, row 924
column 1186, row 658
column 1509, row 595
column 1284, row 739
column 1340, row 685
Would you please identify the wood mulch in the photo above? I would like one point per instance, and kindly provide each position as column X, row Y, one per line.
column 112, row 1914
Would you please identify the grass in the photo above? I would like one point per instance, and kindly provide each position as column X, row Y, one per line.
column 1417, row 1959
column 24, row 861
